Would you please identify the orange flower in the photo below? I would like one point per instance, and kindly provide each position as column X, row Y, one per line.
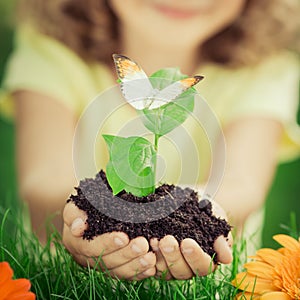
column 272, row 275
column 10, row 289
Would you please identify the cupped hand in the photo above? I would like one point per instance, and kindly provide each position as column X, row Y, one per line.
column 121, row 257
column 188, row 259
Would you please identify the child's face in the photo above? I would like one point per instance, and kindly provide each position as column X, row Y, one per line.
column 175, row 23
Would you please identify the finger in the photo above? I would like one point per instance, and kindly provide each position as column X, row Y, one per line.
column 93, row 262
column 161, row 264
column 134, row 267
column 176, row 264
column 199, row 261
column 229, row 240
column 68, row 239
column 72, row 212
column 148, row 273
column 100, row 245
column 75, row 219
column 223, row 249
column 138, row 269
column 83, row 260
column 135, row 248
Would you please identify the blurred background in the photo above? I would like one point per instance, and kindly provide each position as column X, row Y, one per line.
column 283, row 200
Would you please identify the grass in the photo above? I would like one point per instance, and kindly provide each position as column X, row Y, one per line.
column 55, row 275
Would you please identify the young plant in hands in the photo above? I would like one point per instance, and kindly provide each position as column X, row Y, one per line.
column 163, row 105
column 163, row 101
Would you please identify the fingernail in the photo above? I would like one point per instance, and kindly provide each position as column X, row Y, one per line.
column 143, row 262
column 187, row 250
column 118, row 241
column 136, row 249
column 77, row 223
column 168, row 249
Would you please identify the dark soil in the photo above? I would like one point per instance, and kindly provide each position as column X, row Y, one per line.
column 191, row 218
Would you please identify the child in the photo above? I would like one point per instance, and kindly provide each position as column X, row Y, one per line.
column 62, row 60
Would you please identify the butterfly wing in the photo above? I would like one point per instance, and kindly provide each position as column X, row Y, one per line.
column 135, row 84
column 172, row 91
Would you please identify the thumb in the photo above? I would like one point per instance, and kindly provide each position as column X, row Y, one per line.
column 222, row 247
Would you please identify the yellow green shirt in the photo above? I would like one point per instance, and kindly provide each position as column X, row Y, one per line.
column 42, row 64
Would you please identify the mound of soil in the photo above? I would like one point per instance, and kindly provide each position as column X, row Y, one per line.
column 183, row 216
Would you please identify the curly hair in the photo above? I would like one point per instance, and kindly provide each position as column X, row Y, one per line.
column 89, row 27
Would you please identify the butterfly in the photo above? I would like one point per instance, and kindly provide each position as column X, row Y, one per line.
column 138, row 90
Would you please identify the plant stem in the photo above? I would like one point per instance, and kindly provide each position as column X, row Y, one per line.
column 156, row 137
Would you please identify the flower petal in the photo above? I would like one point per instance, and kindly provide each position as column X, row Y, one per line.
column 260, row 269
column 27, row 296
column 275, row 296
column 246, row 296
column 21, row 285
column 270, row 256
column 287, row 241
column 14, row 287
column 250, row 283
column 6, row 272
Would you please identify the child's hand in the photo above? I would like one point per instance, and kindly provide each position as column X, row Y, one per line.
column 188, row 259
column 122, row 258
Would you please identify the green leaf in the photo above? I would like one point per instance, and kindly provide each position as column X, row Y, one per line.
column 131, row 166
column 164, row 77
column 164, row 119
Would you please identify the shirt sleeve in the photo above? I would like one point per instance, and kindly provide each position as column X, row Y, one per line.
column 41, row 64
column 271, row 90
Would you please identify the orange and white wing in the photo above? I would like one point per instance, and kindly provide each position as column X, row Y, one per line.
column 135, row 84
column 172, row 91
